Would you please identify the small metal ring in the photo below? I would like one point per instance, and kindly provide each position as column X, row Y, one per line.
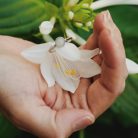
column 69, row 39
column 52, row 49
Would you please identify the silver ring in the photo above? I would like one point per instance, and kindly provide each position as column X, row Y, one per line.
column 69, row 39
column 52, row 49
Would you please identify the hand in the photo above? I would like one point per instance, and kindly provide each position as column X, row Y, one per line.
column 52, row 112
column 105, row 88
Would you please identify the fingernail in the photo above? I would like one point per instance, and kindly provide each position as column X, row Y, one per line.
column 83, row 122
column 108, row 21
column 106, row 16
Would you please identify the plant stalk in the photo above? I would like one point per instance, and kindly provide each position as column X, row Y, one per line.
column 105, row 3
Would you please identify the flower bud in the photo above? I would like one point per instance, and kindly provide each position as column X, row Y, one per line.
column 78, row 24
column 46, row 27
column 72, row 2
column 89, row 24
column 70, row 15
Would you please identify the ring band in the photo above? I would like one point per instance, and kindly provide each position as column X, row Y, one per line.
column 52, row 49
column 69, row 39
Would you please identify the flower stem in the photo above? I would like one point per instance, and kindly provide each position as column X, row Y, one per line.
column 48, row 38
column 105, row 3
column 81, row 134
column 78, row 39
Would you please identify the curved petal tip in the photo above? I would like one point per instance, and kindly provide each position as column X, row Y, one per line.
column 131, row 66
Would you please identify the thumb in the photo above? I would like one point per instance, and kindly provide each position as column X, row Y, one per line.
column 71, row 120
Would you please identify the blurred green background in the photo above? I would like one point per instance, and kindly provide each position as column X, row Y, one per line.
column 21, row 18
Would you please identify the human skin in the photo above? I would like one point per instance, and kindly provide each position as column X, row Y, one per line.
column 46, row 112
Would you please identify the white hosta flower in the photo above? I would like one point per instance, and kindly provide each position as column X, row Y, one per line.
column 105, row 3
column 75, row 36
column 132, row 67
column 47, row 26
column 62, row 62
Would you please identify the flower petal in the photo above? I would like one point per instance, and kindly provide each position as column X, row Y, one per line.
column 87, row 54
column 66, row 79
column 87, row 68
column 46, row 27
column 47, row 73
column 66, row 67
column 65, row 82
column 131, row 66
column 37, row 54
column 69, row 51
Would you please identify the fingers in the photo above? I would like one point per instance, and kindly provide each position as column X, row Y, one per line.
column 110, row 40
column 104, row 21
column 114, row 70
column 50, row 96
column 44, row 122
column 79, row 99
column 60, row 99
column 71, row 120
column 111, row 83
column 91, row 42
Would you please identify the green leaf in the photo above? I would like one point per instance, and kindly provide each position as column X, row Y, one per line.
column 126, row 107
column 65, row 2
column 7, row 130
column 21, row 17
column 126, row 19
column 58, row 3
column 131, row 45
column 51, row 7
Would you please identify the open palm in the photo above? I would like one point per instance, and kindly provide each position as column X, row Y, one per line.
column 52, row 112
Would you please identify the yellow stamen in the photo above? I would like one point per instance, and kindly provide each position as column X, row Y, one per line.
column 71, row 72
column 57, row 65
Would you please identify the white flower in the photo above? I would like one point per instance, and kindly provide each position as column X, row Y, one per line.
column 132, row 67
column 104, row 3
column 47, row 26
column 62, row 62
column 75, row 36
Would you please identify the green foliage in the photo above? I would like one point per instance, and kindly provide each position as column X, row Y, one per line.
column 58, row 3
column 21, row 17
column 126, row 107
column 51, row 7
column 126, row 19
column 7, row 130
